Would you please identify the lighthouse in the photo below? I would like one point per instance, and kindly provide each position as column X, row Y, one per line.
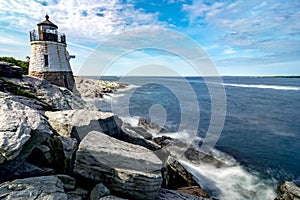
column 49, row 58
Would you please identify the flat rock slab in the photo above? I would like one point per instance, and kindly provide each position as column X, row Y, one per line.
column 77, row 123
column 127, row 169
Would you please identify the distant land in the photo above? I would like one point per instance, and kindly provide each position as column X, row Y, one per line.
column 279, row 76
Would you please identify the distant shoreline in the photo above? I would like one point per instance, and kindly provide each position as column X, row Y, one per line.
column 113, row 77
column 279, row 76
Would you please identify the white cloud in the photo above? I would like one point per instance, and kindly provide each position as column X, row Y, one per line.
column 229, row 51
column 90, row 20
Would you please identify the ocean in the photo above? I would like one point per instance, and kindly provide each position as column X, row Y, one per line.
column 260, row 140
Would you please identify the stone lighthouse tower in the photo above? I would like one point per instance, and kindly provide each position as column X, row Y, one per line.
column 49, row 58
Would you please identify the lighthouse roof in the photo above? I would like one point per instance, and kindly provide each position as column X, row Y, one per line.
column 47, row 22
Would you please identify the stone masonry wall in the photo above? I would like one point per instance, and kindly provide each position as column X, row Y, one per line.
column 58, row 57
column 63, row 79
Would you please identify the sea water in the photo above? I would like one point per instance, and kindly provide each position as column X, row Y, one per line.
column 260, row 140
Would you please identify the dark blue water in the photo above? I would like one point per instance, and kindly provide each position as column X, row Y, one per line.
column 262, row 125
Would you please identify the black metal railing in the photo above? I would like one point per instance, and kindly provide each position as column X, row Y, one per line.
column 45, row 36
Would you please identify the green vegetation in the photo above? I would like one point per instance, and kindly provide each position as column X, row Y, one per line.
column 20, row 63
column 15, row 89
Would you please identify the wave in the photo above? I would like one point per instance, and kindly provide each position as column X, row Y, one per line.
column 232, row 182
column 275, row 87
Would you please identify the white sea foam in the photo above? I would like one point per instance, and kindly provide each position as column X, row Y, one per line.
column 133, row 121
column 231, row 183
column 275, row 87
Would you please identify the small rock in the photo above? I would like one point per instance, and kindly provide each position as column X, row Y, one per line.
column 165, row 194
column 129, row 134
column 288, row 191
column 151, row 126
column 194, row 190
column 111, row 198
column 78, row 194
column 99, row 191
column 68, row 181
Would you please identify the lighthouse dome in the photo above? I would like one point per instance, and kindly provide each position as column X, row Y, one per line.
column 47, row 22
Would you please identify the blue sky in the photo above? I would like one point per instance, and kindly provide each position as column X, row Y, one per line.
column 250, row 37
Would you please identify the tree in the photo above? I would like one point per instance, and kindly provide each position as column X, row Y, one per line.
column 20, row 63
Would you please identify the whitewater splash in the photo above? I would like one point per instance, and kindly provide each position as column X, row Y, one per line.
column 275, row 87
column 232, row 182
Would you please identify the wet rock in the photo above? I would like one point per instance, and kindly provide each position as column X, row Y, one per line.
column 185, row 151
column 137, row 130
column 99, row 191
column 77, row 123
column 68, row 181
column 44, row 187
column 9, row 70
column 165, row 194
column 288, row 191
column 126, row 169
column 194, row 190
column 176, row 176
column 78, row 194
column 70, row 146
column 151, row 126
column 131, row 135
column 111, row 198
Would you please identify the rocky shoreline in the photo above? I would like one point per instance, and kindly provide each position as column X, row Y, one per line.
column 55, row 145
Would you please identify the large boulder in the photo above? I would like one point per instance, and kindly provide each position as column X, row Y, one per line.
column 288, row 191
column 176, row 177
column 77, row 123
column 130, row 170
column 9, row 70
column 43, row 188
column 20, row 124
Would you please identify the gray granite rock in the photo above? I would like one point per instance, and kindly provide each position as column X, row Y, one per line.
column 99, row 191
column 68, row 181
column 288, row 191
column 165, row 194
column 124, row 168
column 18, row 124
column 134, row 135
column 78, row 194
column 77, row 123
column 42, row 188
column 59, row 98
column 111, row 198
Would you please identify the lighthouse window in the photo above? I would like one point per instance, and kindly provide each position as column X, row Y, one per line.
column 46, row 60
